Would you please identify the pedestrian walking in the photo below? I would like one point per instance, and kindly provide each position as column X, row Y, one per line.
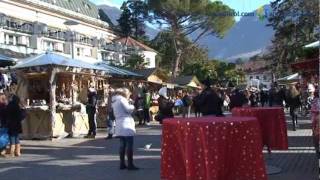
column 293, row 100
column 125, row 126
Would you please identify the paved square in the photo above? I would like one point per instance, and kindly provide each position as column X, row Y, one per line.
column 82, row 159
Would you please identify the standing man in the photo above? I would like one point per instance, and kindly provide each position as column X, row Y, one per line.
column 110, row 115
column 187, row 102
column 91, row 109
column 210, row 102
column 147, row 105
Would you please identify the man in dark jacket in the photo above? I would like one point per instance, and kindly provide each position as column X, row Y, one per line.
column 91, row 111
column 209, row 101
column 237, row 99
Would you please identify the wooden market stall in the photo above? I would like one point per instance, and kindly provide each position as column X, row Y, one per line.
column 120, row 78
column 54, row 89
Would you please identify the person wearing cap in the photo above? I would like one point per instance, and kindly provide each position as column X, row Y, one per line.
column 209, row 101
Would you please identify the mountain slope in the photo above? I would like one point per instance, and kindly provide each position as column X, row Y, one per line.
column 247, row 37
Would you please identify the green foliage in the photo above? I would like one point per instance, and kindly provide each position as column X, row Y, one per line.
column 135, row 61
column 163, row 43
column 105, row 18
column 125, row 21
column 185, row 17
column 131, row 21
column 294, row 22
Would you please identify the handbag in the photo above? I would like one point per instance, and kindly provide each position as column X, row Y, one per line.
column 4, row 137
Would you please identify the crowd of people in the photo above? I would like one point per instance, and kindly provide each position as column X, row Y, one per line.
column 125, row 107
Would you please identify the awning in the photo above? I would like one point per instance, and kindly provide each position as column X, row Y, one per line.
column 53, row 59
column 289, row 79
column 6, row 61
column 117, row 71
column 312, row 45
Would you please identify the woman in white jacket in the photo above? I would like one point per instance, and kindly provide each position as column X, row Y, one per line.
column 125, row 126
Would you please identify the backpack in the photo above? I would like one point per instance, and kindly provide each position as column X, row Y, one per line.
column 4, row 137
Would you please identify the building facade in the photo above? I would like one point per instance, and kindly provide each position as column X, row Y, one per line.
column 67, row 27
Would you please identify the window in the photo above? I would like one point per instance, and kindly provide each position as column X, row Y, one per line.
column 78, row 51
column 265, row 77
column 148, row 61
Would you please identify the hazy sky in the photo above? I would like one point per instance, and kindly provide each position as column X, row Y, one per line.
column 238, row 5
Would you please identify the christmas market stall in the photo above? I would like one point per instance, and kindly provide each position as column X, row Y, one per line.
column 54, row 90
column 120, row 78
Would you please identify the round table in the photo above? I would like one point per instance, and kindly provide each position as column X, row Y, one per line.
column 273, row 127
column 272, row 122
column 212, row 148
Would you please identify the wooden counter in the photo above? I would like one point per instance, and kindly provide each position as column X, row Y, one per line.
column 37, row 124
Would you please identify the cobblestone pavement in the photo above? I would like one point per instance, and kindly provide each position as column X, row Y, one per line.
column 69, row 159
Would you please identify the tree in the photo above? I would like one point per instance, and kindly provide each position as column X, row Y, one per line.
column 294, row 22
column 125, row 21
column 105, row 18
column 132, row 19
column 139, row 13
column 163, row 44
column 135, row 61
column 185, row 17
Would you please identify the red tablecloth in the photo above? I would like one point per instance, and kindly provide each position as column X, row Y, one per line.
column 212, row 148
column 315, row 117
column 272, row 122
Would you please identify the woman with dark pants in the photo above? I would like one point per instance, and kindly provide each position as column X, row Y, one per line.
column 294, row 102
column 15, row 114
column 125, row 126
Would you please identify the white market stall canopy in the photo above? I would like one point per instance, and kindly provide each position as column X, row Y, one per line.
column 312, row 45
column 291, row 78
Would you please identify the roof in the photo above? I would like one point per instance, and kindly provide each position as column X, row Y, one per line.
column 185, row 80
column 84, row 7
column 129, row 41
column 146, row 72
column 117, row 71
column 50, row 58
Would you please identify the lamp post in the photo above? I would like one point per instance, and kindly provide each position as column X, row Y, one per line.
column 70, row 23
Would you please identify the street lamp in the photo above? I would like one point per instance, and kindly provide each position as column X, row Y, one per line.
column 70, row 23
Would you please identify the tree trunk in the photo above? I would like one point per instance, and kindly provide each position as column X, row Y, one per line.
column 53, row 85
column 176, row 68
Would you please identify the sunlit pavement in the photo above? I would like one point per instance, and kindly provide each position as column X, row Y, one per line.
column 97, row 159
